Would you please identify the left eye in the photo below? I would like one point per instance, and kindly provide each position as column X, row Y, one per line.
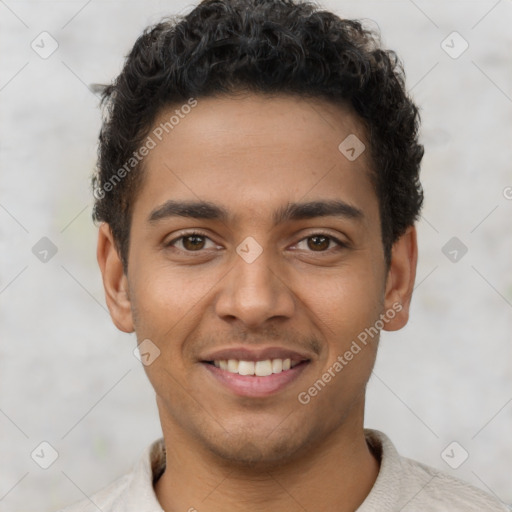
column 321, row 242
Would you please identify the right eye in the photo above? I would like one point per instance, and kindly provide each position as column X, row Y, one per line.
column 191, row 241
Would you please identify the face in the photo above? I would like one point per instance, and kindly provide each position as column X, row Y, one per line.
column 255, row 247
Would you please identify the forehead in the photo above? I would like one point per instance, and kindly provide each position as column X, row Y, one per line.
column 252, row 154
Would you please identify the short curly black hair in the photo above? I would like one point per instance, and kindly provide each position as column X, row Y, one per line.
column 264, row 46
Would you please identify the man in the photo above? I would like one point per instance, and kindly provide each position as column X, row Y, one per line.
column 257, row 189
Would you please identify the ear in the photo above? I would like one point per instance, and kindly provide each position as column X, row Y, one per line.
column 400, row 279
column 115, row 281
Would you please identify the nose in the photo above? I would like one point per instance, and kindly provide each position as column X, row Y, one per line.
column 254, row 292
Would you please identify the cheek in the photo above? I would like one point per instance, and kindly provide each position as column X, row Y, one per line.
column 169, row 307
column 348, row 309
column 344, row 303
column 163, row 297
column 166, row 311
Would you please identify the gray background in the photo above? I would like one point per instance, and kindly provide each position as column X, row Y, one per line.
column 69, row 378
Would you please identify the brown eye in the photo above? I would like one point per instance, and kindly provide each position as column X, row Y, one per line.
column 318, row 242
column 190, row 242
column 193, row 242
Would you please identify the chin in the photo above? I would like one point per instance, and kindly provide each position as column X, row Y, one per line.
column 259, row 450
column 254, row 454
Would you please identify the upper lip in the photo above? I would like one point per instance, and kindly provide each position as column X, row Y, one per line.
column 260, row 354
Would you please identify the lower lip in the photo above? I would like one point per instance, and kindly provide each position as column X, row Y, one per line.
column 252, row 386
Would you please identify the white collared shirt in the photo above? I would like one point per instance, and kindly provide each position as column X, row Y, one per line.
column 402, row 484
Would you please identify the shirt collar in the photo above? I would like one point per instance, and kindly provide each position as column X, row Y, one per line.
column 386, row 489
column 140, row 494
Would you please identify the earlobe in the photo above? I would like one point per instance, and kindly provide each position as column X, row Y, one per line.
column 400, row 279
column 115, row 282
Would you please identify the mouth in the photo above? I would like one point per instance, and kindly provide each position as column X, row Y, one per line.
column 256, row 368
column 255, row 374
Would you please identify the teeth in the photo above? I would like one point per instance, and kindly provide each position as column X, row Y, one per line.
column 233, row 366
column 263, row 368
column 246, row 368
column 258, row 368
column 277, row 366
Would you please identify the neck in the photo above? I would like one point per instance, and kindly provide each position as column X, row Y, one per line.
column 336, row 475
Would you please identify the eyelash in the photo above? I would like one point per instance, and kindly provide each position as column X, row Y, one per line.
column 341, row 245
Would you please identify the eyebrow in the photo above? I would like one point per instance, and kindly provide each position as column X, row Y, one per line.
column 290, row 212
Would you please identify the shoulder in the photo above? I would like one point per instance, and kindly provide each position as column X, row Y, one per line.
column 103, row 499
column 439, row 490
column 408, row 485
column 131, row 492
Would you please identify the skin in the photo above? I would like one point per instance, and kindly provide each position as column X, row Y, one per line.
column 252, row 154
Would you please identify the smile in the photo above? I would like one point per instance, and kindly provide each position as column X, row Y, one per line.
column 244, row 378
column 258, row 368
